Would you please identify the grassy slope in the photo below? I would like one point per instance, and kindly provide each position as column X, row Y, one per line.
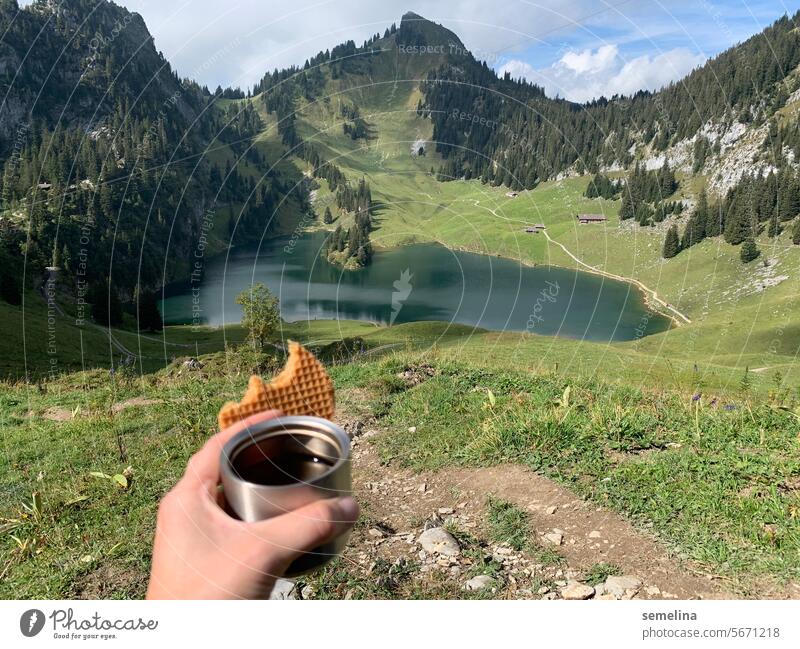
column 619, row 362
column 735, row 324
column 719, row 486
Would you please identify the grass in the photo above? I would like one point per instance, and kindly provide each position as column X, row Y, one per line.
column 719, row 486
column 508, row 524
column 736, row 324
column 716, row 478
column 599, row 572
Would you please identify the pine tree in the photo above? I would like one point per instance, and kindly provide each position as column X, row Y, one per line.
column 796, row 233
column 337, row 239
column 627, row 210
column 353, row 240
column 8, row 181
column 749, row 251
column 328, row 217
column 9, row 289
column 714, row 222
column 702, row 208
column 644, row 214
column 601, row 186
column 774, row 227
column 737, row 224
column 149, row 314
column 672, row 244
column 696, row 227
column 666, row 181
column 788, row 195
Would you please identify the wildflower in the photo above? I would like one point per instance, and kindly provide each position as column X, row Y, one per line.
column 730, row 406
column 697, row 396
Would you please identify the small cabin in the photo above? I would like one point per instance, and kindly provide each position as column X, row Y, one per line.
column 535, row 229
column 591, row 218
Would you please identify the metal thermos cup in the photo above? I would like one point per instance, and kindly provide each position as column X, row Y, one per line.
column 281, row 464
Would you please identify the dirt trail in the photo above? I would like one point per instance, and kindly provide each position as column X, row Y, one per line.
column 650, row 295
column 591, row 534
column 399, row 504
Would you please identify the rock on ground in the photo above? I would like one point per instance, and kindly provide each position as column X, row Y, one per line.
column 619, row 586
column 193, row 364
column 555, row 537
column 576, row 590
column 439, row 541
column 284, row 589
column 479, row 582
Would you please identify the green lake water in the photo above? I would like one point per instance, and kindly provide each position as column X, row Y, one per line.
column 414, row 283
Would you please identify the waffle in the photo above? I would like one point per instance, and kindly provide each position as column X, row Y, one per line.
column 302, row 388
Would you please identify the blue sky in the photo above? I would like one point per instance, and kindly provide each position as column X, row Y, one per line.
column 624, row 46
column 574, row 48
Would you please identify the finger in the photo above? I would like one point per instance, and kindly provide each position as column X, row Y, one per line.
column 288, row 536
column 203, row 467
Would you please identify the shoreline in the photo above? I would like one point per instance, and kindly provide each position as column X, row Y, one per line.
column 652, row 302
column 648, row 294
column 650, row 297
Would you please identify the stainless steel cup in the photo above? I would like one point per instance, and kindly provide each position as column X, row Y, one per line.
column 282, row 464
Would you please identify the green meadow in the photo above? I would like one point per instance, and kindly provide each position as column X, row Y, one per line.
column 87, row 457
column 691, row 433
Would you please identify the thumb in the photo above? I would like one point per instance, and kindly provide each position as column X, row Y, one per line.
column 290, row 535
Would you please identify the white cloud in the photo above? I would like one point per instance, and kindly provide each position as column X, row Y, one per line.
column 520, row 70
column 589, row 62
column 235, row 42
column 587, row 74
column 656, row 72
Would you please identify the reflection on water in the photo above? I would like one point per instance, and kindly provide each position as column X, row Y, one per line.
column 419, row 282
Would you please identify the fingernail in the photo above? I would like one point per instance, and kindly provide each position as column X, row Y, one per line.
column 349, row 508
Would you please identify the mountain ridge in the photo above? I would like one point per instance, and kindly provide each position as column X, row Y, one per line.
column 100, row 135
column 468, row 122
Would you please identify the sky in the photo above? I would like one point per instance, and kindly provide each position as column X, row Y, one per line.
column 577, row 49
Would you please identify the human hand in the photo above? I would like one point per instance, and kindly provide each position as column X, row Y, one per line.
column 200, row 552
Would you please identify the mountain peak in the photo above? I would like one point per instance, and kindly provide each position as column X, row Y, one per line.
column 417, row 30
column 410, row 15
